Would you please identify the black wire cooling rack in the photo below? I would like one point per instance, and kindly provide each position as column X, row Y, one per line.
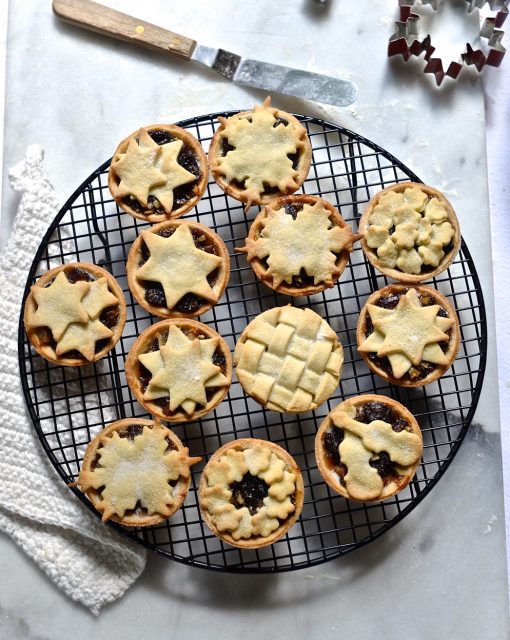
column 69, row 406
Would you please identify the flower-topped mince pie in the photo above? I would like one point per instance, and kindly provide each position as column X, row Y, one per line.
column 158, row 172
column 179, row 369
column 136, row 472
column 299, row 245
column 408, row 335
column 74, row 314
column 410, row 232
column 178, row 268
column 251, row 493
column 289, row 359
column 368, row 448
column 258, row 155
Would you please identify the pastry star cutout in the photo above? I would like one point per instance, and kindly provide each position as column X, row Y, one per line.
column 83, row 338
column 137, row 168
column 182, row 369
column 175, row 174
column 98, row 298
column 309, row 242
column 178, row 265
column 59, row 305
column 408, row 334
column 137, row 470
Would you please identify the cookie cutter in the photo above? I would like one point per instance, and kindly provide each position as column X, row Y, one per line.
column 406, row 40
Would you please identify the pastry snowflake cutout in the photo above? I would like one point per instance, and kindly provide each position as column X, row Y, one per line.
column 182, row 369
column 360, row 444
column 178, row 265
column 221, row 499
column 137, row 471
column 308, row 242
column 408, row 334
column 409, row 230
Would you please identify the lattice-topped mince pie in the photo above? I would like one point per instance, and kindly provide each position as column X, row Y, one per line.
column 408, row 335
column 368, row 448
column 136, row 472
column 179, row 369
column 178, row 268
column 299, row 244
column 410, row 232
column 289, row 359
column 74, row 314
column 158, row 172
column 261, row 154
column 251, row 493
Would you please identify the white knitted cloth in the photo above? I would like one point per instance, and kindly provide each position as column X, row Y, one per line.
column 87, row 560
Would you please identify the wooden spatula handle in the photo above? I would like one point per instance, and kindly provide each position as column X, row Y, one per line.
column 96, row 17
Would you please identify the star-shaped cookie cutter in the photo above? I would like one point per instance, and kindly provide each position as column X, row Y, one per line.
column 406, row 40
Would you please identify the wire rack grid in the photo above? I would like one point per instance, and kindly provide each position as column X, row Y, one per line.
column 69, row 406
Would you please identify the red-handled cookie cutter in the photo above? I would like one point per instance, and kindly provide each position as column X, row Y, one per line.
column 407, row 42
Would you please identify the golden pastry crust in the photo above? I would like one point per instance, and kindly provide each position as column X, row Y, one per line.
column 262, row 165
column 438, row 363
column 186, row 271
column 415, row 245
column 289, row 359
column 323, row 247
column 362, row 439
column 207, row 382
column 153, row 174
column 285, row 493
column 41, row 337
column 138, row 477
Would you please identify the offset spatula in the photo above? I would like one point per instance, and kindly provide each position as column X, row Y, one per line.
column 252, row 73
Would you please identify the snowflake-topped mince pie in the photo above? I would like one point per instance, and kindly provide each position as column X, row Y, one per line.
column 408, row 335
column 178, row 268
column 410, row 232
column 136, row 472
column 299, row 245
column 75, row 314
column 368, row 448
column 289, row 359
column 261, row 154
column 158, row 172
column 179, row 369
column 251, row 493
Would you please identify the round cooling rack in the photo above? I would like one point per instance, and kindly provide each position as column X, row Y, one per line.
column 70, row 405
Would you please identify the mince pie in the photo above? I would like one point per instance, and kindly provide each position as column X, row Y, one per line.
column 289, row 359
column 261, row 154
column 408, row 335
column 368, row 448
column 178, row 268
column 251, row 493
column 410, row 232
column 299, row 245
column 74, row 314
column 136, row 472
column 158, row 172
column 179, row 369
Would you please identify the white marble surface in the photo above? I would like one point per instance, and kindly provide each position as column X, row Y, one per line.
column 441, row 572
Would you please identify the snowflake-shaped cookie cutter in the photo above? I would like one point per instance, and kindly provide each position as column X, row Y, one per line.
column 406, row 40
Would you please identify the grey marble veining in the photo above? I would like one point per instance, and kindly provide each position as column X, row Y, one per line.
column 441, row 572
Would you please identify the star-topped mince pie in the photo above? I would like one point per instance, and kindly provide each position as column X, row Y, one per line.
column 178, row 268
column 408, row 335
column 299, row 245
column 251, row 493
column 368, row 448
column 74, row 314
column 136, row 472
column 289, row 359
column 410, row 232
column 179, row 369
column 258, row 155
column 158, row 172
